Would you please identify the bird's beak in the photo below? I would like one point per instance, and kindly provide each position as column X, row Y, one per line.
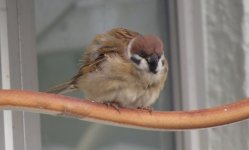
column 153, row 61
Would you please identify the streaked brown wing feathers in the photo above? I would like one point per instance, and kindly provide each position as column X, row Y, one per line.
column 113, row 42
column 123, row 34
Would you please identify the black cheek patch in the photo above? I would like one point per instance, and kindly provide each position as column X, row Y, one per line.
column 135, row 60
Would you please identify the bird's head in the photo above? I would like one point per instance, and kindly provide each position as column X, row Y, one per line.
column 146, row 53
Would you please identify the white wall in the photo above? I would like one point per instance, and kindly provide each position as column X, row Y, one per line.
column 227, row 45
column 246, row 42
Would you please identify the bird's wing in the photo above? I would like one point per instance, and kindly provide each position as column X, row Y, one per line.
column 123, row 34
column 114, row 42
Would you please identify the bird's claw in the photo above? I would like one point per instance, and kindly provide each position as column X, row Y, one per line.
column 115, row 105
column 149, row 109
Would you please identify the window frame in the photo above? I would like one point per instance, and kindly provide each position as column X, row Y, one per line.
column 19, row 130
column 192, row 56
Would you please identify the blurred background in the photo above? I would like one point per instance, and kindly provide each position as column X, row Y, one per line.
column 63, row 29
column 206, row 44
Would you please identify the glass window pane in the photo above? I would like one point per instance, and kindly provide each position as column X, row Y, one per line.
column 63, row 29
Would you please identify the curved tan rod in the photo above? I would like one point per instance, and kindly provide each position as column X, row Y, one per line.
column 157, row 120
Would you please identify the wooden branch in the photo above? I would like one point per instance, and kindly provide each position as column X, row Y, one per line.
column 157, row 120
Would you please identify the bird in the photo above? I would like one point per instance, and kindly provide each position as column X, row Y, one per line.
column 121, row 68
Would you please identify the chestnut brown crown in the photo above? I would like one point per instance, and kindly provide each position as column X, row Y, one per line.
column 147, row 45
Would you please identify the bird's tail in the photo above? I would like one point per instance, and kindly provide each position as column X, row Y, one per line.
column 62, row 88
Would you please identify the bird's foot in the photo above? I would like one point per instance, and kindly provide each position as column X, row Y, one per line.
column 113, row 104
column 149, row 109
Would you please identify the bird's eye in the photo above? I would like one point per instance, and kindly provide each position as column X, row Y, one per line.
column 142, row 54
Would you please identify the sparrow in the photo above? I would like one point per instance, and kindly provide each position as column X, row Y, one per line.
column 121, row 67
